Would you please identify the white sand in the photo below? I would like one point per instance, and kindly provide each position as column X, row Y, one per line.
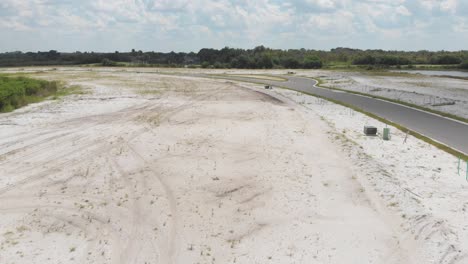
column 157, row 169
column 414, row 181
column 427, row 91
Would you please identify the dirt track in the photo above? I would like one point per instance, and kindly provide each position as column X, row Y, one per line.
column 180, row 171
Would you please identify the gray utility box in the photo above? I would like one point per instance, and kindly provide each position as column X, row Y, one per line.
column 386, row 133
column 370, row 131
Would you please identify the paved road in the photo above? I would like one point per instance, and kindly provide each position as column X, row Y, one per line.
column 447, row 131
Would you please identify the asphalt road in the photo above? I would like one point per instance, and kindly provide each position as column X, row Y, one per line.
column 444, row 130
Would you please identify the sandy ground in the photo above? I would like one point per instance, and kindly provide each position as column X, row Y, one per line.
column 439, row 93
column 415, row 181
column 148, row 168
column 428, row 91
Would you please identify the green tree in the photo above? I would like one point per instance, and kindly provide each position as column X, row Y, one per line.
column 242, row 62
column 264, row 62
column 312, row 63
column 364, row 60
column 445, row 60
column 464, row 65
column 290, row 63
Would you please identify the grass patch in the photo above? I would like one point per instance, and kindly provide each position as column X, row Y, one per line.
column 436, row 67
column 350, row 66
column 376, row 72
column 19, row 91
column 258, row 76
column 16, row 92
column 69, row 90
column 390, row 74
column 453, row 77
column 149, row 92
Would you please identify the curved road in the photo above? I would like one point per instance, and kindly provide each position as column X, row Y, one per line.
column 444, row 130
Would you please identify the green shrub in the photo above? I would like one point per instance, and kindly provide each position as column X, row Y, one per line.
column 464, row 65
column 16, row 92
column 108, row 63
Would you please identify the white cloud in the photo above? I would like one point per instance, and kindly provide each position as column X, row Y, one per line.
column 14, row 24
column 449, row 5
column 442, row 5
column 329, row 4
column 402, row 10
column 461, row 26
column 429, row 4
column 232, row 22
column 337, row 23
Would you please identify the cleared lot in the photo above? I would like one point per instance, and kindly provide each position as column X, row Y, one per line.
column 149, row 168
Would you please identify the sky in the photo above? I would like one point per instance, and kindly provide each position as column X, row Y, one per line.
column 189, row 25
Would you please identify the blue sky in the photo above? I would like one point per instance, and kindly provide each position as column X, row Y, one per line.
column 184, row 25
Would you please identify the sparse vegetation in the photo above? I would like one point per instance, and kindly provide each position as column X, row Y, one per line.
column 258, row 76
column 441, row 146
column 320, row 83
column 108, row 63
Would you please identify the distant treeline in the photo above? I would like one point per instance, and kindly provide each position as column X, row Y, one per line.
column 257, row 58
